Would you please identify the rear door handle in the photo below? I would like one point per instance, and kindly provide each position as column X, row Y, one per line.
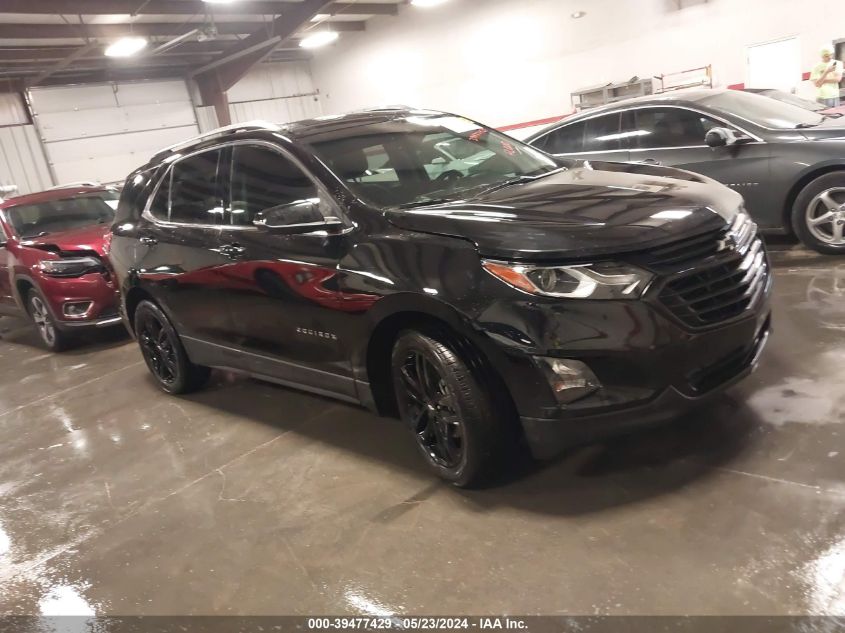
column 232, row 251
column 146, row 240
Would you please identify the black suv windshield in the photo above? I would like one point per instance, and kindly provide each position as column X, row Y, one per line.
column 764, row 111
column 43, row 218
column 418, row 159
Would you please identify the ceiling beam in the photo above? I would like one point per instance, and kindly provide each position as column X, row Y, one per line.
column 39, row 55
column 237, row 60
column 102, row 76
column 63, row 63
column 113, row 31
column 182, row 7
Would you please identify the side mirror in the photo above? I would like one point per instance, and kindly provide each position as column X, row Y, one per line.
column 722, row 136
column 296, row 218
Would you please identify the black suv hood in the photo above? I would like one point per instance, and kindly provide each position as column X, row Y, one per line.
column 581, row 212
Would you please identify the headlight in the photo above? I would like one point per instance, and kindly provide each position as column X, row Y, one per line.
column 70, row 266
column 604, row 280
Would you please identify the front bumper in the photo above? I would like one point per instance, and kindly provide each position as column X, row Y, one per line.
column 548, row 436
column 95, row 288
column 95, row 323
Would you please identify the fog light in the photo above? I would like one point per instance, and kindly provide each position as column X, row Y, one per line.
column 77, row 309
column 569, row 379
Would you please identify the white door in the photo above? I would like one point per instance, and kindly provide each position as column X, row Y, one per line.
column 103, row 132
column 774, row 65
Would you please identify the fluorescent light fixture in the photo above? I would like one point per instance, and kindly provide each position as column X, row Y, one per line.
column 126, row 47
column 578, row 14
column 219, row 1
column 318, row 39
column 427, row 3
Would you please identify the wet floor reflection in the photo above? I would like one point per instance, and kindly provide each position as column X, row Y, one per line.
column 248, row 498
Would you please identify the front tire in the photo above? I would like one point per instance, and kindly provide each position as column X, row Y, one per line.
column 818, row 216
column 460, row 431
column 51, row 336
column 164, row 353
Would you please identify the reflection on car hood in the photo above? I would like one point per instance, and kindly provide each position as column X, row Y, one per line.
column 580, row 212
column 87, row 238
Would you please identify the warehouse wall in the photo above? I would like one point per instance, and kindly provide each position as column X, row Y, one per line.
column 504, row 62
column 280, row 93
column 22, row 160
column 102, row 132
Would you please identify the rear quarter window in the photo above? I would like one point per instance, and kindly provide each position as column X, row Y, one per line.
column 134, row 196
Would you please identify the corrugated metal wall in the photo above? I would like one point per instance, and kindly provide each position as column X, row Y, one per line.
column 22, row 161
column 207, row 118
column 281, row 110
column 12, row 110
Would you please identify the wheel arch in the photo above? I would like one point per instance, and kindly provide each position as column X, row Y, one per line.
column 433, row 317
column 808, row 176
column 134, row 296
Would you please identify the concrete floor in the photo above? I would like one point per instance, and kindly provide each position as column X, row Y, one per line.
column 253, row 499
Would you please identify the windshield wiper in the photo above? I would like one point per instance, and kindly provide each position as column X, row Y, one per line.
column 41, row 234
column 802, row 126
column 513, row 181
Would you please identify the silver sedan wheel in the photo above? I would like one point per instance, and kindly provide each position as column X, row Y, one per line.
column 43, row 321
column 826, row 216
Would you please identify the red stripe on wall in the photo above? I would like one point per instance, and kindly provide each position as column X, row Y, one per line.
column 548, row 121
column 736, row 87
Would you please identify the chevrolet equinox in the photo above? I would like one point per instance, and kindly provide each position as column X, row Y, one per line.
column 430, row 268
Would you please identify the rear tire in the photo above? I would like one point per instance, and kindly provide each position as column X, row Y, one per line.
column 818, row 215
column 51, row 336
column 164, row 353
column 461, row 430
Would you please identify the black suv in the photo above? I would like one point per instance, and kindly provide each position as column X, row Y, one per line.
column 426, row 266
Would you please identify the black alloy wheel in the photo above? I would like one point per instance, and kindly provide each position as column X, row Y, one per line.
column 164, row 354
column 460, row 427
column 433, row 412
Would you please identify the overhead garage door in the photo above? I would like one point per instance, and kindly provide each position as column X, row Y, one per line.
column 103, row 132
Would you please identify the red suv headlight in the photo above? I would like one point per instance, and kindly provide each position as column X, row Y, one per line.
column 70, row 266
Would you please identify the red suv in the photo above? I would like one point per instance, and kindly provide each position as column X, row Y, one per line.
column 53, row 264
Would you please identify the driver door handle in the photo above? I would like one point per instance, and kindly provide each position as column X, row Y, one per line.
column 232, row 251
column 146, row 240
column 650, row 161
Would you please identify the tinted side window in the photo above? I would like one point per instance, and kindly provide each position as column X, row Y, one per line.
column 669, row 127
column 564, row 140
column 195, row 192
column 3, row 236
column 261, row 179
column 602, row 134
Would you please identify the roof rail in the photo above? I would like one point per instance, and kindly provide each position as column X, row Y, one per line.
column 221, row 132
column 80, row 183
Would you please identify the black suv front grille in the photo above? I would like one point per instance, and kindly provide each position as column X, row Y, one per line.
column 726, row 273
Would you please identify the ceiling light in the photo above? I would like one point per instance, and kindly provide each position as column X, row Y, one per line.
column 427, row 3
column 318, row 39
column 219, row 1
column 126, row 47
column 578, row 14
